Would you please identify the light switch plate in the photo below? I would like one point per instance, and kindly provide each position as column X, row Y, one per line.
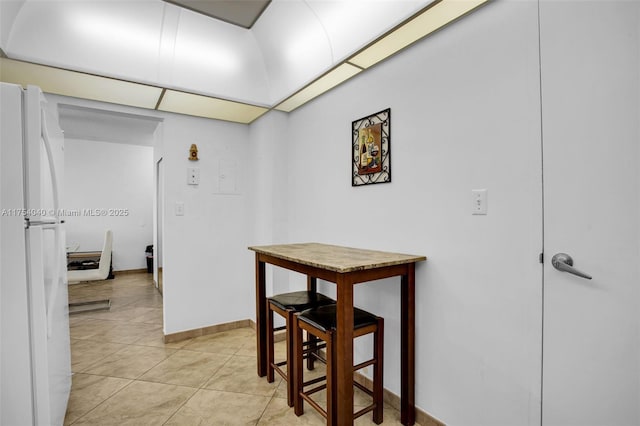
column 179, row 208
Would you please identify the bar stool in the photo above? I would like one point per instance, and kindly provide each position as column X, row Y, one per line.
column 321, row 322
column 287, row 305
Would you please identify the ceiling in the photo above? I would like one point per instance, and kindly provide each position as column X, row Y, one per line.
column 242, row 13
column 229, row 60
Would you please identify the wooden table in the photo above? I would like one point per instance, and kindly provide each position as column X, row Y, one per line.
column 345, row 267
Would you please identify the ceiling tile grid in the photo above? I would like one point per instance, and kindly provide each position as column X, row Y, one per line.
column 135, row 53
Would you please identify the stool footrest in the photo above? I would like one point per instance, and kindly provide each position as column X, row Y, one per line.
column 312, row 350
column 364, row 364
column 315, row 405
column 364, row 411
column 320, row 345
column 363, row 388
column 316, row 389
column 314, row 381
column 278, row 370
column 318, row 357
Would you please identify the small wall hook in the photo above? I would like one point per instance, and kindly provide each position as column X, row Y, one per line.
column 193, row 152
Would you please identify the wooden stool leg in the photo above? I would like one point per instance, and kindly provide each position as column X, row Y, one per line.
column 378, row 396
column 313, row 346
column 290, row 357
column 270, row 354
column 332, row 397
column 297, row 378
column 312, row 286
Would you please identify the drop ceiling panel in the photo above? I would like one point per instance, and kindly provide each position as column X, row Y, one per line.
column 79, row 85
column 202, row 106
column 318, row 87
column 242, row 13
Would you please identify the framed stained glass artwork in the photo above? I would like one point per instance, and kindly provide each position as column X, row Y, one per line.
column 371, row 149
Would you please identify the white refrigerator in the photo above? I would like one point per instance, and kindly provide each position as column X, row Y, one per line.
column 35, row 355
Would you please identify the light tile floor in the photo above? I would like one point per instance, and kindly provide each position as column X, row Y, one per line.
column 123, row 373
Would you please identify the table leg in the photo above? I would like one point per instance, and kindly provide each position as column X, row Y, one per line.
column 407, row 342
column 344, row 352
column 312, row 284
column 261, row 317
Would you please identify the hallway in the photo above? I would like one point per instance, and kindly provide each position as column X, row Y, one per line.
column 125, row 375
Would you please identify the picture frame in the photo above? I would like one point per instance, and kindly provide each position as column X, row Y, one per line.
column 371, row 149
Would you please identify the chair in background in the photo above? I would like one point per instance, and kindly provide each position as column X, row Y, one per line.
column 102, row 272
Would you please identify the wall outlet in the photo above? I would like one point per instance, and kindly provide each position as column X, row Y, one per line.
column 193, row 176
column 479, row 201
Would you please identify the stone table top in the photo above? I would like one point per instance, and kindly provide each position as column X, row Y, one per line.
column 336, row 258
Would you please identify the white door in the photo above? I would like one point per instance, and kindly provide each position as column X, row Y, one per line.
column 590, row 113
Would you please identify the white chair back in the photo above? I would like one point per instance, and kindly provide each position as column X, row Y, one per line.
column 104, row 267
column 105, row 258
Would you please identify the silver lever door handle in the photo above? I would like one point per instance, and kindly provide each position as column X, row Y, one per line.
column 563, row 262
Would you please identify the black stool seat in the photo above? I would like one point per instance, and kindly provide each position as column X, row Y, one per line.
column 324, row 317
column 300, row 300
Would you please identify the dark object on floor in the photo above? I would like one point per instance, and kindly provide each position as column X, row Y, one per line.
column 94, row 305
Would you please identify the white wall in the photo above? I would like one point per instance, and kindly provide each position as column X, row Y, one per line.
column 464, row 114
column 208, row 270
column 104, row 175
column 269, row 155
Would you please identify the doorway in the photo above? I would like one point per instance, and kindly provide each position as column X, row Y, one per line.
column 158, row 263
column 108, row 181
column 590, row 97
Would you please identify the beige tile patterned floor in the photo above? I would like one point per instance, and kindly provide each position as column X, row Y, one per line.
column 125, row 375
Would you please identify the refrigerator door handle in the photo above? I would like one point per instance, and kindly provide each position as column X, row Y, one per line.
column 55, row 225
column 45, row 222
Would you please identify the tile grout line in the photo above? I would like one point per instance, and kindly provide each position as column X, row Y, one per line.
column 142, row 341
column 201, row 387
column 107, row 399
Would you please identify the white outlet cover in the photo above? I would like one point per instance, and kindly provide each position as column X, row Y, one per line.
column 479, row 201
column 193, row 176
